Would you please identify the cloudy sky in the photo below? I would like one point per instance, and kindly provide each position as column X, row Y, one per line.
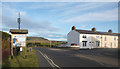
column 53, row 20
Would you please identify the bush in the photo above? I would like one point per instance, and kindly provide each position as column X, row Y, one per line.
column 5, row 45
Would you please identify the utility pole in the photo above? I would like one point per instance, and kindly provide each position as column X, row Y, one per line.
column 19, row 21
column 50, row 43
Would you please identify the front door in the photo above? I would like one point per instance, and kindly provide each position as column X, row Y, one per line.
column 91, row 44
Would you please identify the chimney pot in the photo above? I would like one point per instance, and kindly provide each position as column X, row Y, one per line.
column 94, row 29
column 73, row 28
column 110, row 30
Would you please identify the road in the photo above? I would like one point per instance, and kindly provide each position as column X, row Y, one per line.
column 53, row 57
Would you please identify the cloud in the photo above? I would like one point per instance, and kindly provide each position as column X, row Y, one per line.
column 57, row 15
column 109, row 15
column 60, row 0
column 55, row 35
column 58, row 39
column 35, row 28
column 10, row 21
column 0, row 16
column 44, row 5
column 72, row 8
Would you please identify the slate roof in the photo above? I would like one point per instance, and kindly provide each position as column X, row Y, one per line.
column 97, row 32
column 17, row 31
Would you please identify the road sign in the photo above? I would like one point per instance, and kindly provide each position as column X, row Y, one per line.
column 19, row 40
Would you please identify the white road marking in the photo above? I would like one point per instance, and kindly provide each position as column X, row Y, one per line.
column 49, row 60
column 58, row 49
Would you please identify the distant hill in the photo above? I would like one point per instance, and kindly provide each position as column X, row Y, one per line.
column 41, row 40
column 37, row 39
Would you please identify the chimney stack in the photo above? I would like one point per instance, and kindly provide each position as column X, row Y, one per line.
column 110, row 31
column 94, row 29
column 73, row 28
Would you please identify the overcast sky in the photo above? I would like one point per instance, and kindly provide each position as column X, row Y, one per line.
column 53, row 20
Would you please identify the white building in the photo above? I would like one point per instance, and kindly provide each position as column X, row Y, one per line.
column 92, row 39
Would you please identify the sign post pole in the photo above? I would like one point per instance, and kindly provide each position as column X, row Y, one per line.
column 11, row 48
column 25, row 53
column 25, row 49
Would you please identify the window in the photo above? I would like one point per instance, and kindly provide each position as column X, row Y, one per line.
column 111, row 43
column 97, row 43
column 84, row 36
column 84, row 43
column 105, row 38
column 97, row 37
column 114, row 38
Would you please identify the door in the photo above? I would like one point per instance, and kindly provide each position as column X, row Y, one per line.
column 91, row 44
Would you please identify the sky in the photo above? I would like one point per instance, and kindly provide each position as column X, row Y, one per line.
column 53, row 20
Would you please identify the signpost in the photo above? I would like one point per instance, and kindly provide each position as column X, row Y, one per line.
column 18, row 39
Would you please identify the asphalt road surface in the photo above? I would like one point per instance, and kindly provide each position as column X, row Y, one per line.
column 54, row 57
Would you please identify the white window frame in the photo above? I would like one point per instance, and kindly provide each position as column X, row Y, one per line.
column 97, row 43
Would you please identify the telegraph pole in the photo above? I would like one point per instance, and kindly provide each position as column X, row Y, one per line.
column 50, row 43
column 19, row 21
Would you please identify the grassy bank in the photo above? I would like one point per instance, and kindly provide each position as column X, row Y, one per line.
column 20, row 61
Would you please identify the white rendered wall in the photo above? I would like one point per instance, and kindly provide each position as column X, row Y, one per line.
column 90, row 38
column 94, row 37
column 109, row 39
column 73, row 37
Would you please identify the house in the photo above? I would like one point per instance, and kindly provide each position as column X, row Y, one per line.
column 92, row 38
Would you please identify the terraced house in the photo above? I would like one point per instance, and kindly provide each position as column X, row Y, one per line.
column 92, row 38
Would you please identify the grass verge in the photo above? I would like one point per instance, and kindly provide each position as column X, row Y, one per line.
column 20, row 61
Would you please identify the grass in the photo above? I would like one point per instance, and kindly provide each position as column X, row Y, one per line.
column 20, row 61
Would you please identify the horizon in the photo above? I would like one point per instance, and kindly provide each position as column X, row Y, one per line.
column 53, row 20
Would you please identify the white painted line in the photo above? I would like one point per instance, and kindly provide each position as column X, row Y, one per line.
column 45, row 58
column 49, row 60
column 52, row 62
